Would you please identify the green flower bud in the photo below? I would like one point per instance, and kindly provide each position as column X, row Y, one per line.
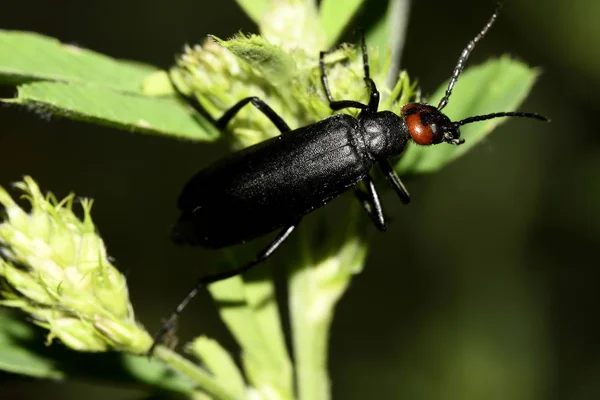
column 218, row 79
column 55, row 267
column 123, row 335
column 77, row 334
column 219, row 73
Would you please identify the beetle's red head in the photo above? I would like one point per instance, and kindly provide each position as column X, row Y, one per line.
column 427, row 125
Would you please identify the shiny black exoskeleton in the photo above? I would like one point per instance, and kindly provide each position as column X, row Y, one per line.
column 273, row 184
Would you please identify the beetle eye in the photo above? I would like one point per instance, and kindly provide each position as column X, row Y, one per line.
column 437, row 133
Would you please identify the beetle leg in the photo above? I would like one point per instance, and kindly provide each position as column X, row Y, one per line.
column 208, row 279
column 394, row 181
column 229, row 114
column 374, row 97
column 261, row 106
column 371, row 203
column 333, row 104
column 341, row 104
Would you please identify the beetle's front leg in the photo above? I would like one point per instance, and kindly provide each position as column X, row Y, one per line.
column 261, row 106
column 371, row 203
column 336, row 105
column 229, row 114
column 394, row 181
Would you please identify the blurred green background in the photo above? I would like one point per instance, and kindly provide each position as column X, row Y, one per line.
column 485, row 287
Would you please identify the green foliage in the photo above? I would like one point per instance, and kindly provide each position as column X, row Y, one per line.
column 281, row 67
column 335, row 15
column 499, row 84
column 17, row 357
column 27, row 56
column 96, row 104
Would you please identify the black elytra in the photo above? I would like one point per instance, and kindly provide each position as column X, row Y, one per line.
column 273, row 184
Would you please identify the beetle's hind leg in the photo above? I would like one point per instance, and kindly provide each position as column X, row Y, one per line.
column 208, row 279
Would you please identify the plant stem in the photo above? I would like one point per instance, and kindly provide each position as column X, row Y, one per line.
column 206, row 382
column 317, row 281
column 397, row 22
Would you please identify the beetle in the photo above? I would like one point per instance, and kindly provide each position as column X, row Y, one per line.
column 273, row 184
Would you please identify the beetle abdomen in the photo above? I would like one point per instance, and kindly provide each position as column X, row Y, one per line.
column 259, row 189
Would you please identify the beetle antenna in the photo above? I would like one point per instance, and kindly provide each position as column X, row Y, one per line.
column 478, row 118
column 465, row 55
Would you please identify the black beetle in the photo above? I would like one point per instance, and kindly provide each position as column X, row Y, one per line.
column 273, row 184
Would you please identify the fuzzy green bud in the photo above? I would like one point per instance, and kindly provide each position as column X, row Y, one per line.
column 55, row 267
column 219, row 73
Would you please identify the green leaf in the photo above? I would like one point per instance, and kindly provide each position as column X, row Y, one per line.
column 254, row 8
column 17, row 356
column 162, row 116
column 158, row 84
column 261, row 299
column 220, row 363
column 271, row 60
column 248, row 307
column 497, row 85
column 26, row 56
column 335, row 17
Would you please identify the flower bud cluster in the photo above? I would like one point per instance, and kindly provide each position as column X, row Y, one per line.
column 55, row 267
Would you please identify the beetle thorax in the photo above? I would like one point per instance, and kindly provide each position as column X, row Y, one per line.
column 384, row 132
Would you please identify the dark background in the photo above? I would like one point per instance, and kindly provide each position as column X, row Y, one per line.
column 485, row 287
